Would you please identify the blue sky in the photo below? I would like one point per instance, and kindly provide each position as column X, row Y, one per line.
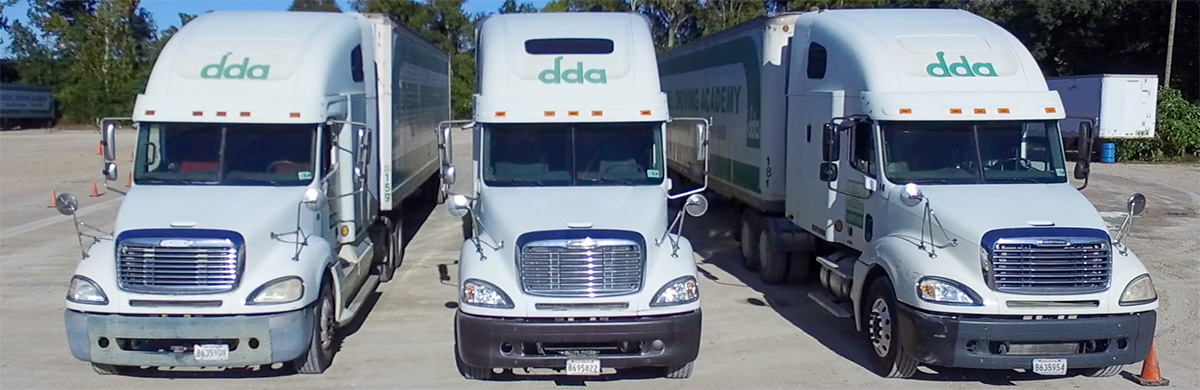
column 166, row 12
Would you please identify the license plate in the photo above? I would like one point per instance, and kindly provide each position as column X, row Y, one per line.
column 583, row 367
column 210, row 352
column 1050, row 366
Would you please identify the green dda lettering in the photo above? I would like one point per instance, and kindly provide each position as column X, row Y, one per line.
column 574, row 75
column 959, row 69
column 235, row 71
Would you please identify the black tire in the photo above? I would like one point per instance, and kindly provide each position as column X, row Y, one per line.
column 748, row 238
column 886, row 352
column 107, row 369
column 1101, row 372
column 680, row 372
column 321, row 342
column 471, row 372
column 800, row 265
column 396, row 254
column 772, row 259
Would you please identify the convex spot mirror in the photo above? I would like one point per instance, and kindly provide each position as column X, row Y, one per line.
column 448, row 175
column 912, row 195
column 110, row 171
column 696, row 205
column 66, row 204
column 314, row 199
column 458, row 205
column 1137, row 204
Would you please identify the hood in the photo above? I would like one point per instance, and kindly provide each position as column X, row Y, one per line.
column 969, row 211
column 508, row 212
column 253, row 211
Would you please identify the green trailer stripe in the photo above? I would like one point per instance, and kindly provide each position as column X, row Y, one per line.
column 739, row 173
column 742, row 51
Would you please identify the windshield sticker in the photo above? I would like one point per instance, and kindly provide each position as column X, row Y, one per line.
column 1059, row 172
column 304, row 175
column 653, row 173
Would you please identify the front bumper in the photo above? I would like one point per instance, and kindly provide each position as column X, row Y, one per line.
column 519, row 343
column 976, row 342
column 134, row 340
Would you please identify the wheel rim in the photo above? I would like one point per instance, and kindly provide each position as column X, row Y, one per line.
column 881, row 327
column 325, row 333
column 764, row 253
column 746, row 247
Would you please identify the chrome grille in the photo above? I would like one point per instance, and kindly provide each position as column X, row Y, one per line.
column 581, row 268
column 178, row 266
column 1049, row 266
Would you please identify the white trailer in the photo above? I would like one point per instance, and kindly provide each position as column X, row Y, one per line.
column 274, row 151
column 946, row 228
column 574, row 262
column 1122, row 106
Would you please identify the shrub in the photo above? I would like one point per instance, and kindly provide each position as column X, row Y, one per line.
column 1176, row 133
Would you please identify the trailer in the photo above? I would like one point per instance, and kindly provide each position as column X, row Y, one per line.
column 1121, row 106
column 26, row 107
column 911, row 160
column 275, row 152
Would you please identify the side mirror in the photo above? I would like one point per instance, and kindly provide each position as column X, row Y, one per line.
column 830, row 143
column 108, row 135
column 314, row 199
column 701, row 141
column 1083, row 156
column 696, row 205
column 1137, row 204
column 110, row 171
column 66, row 204
column 458, row 205
column 448, row 175
column 829, row 172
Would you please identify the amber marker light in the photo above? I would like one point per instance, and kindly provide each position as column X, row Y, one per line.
column 572, row 113
column 221, row 114
column 150, row 112
column 197, row 113
column 501, row 114
column 906, row 111
column 597, row 113
column 1002, row 110
column 548, row 113
column 245, row 114
column 981, row 111
column 956, row 111
column 294, row 115
column 1051, row 110
column 645, row 112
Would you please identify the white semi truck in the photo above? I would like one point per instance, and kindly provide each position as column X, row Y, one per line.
column 914, row 157
column 274, row 151
column 574, row 263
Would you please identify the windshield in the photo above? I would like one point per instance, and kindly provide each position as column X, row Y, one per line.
column 563, row 154
column 225, row 154
column 973, row 152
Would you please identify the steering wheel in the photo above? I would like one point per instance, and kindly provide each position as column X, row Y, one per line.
column 617, row 166
column 1020, row 163
column 271, row 167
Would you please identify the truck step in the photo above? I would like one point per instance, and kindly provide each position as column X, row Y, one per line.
column 365, row 292
column 822, row 298
column 838, row 263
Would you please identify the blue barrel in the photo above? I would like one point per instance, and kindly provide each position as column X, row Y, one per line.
column 1108, row 153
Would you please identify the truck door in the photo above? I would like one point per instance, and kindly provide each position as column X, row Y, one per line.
column 858, row 184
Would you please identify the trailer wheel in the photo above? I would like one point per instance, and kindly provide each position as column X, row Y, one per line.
column 107, row 369
column 395, row 249
column 683, row 371
column 321, row 343
column 772, row 258
column 751, row 225
column 888, row 358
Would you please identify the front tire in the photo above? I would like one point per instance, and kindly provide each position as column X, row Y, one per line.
column 107, row 369
column 887, row 355
column 680, row 372
column 748, row 238
column 772, row 259
column 471, row 372
column 321, row 342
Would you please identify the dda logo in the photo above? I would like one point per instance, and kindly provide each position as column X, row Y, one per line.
column 575, row 75
column 959, row 69
column 235, row 71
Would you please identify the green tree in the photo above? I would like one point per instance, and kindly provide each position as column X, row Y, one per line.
column 673, row 22
column 723, row 14
column 511, row 7
column 315, row 5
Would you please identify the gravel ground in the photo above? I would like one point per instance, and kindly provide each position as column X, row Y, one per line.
column 755, row 336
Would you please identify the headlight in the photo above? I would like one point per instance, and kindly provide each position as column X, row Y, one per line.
column 282, row 290
column 677, row 292
column 947, row 292
column 476, row 292
column 1139, row 291
column 84, row 290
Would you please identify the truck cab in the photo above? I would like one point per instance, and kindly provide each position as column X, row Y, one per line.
column 265, row 193
column 574, row 262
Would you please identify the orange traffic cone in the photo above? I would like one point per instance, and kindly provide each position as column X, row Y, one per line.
column 129, row 183
column 1150, row 375
column 53, row 200
column 130, row 156
column 95, row 190
column 99, row 150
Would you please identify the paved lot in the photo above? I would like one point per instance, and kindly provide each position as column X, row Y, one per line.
column 754, row 336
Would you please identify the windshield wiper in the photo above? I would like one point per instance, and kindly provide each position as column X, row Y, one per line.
column 609, row 180
column 1014, row 179
column 527, row 182
column 249, row 180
